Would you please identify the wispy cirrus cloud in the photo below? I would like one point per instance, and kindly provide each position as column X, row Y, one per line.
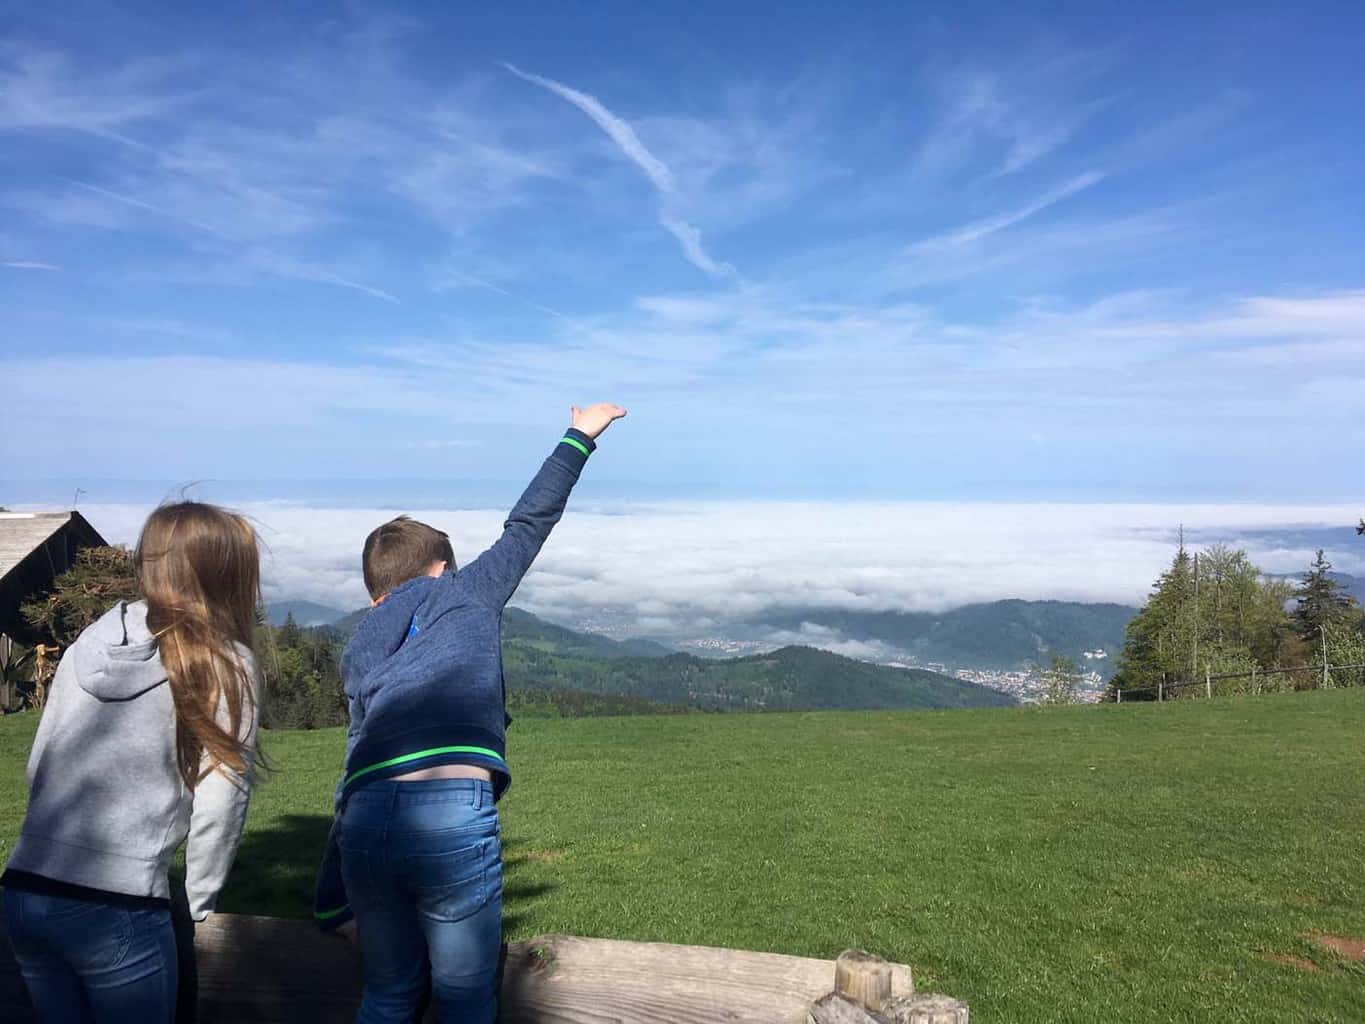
column 984, row 228
column 621, row 133
column 28, row 265
column 1000, row 120
column 42, row 88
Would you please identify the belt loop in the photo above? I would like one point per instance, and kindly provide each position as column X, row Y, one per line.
column 478, row 795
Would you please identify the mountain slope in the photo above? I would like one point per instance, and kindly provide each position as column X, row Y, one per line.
column 792, row 678
column 996, row 635
column 538, row 655
column 522, row 627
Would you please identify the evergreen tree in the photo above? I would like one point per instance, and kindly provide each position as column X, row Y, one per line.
column 1321, row 604
column 289, row 634
column 1212, row 613
column 100, row 577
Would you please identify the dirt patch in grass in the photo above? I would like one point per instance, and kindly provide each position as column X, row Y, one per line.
column 1290, row 960
column 541, row 856
column 1351, row 949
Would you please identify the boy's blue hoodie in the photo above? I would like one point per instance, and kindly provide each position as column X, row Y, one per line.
column 423, row 671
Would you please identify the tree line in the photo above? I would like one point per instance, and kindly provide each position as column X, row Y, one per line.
column 1215, row 614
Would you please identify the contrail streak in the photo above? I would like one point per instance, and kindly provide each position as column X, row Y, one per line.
column 621, row 133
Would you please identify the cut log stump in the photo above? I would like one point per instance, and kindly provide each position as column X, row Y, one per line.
column 863, row 979
column 254, row 970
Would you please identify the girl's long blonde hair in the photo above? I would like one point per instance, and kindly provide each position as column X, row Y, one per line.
column 199, row 571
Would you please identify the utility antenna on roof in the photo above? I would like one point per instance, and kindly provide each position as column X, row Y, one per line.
column 75, row 498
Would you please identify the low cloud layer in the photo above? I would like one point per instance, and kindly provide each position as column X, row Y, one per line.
column 681, row 568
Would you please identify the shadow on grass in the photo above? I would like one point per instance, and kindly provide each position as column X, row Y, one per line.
column 276, row 868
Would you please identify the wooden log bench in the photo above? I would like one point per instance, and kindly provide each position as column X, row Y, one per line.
column 259, row 969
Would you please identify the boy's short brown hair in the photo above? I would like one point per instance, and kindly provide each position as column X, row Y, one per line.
column 401, row 550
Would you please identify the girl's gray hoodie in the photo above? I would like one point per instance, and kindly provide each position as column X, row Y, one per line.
column 107, row 808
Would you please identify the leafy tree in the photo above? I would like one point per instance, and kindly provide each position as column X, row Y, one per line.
column 301, row 670
column 1344, row 644
column 1060, row 679
column 1321, row 604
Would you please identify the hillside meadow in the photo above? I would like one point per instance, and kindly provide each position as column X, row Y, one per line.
column 1133, row 863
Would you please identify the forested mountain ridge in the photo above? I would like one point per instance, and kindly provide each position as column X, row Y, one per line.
column 539, row 655
column 792, row 678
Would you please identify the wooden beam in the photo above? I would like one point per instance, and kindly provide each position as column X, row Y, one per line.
column 259, row 969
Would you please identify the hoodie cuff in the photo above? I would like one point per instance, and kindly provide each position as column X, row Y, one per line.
column 576, row 446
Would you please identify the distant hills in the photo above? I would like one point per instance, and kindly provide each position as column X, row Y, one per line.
column 996, row 635
column 539, row 656
column 522, row 627
column 306, row 613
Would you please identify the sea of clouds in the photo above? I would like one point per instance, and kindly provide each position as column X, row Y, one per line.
column 681, row 568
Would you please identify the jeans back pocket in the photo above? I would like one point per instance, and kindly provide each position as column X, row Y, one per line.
column 453, row 884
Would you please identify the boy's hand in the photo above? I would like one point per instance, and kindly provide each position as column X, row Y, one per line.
column 595, row 418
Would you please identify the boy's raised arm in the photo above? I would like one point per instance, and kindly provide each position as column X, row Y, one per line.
column 495, row 574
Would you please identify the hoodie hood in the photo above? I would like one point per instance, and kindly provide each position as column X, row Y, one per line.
column 116, row 658
column 385, row 629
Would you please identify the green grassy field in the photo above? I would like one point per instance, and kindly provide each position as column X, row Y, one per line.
column 1132, row 863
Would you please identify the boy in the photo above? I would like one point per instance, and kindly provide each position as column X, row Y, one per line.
column 415, row 846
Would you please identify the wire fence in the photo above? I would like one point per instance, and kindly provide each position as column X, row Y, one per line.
column 1300, row 677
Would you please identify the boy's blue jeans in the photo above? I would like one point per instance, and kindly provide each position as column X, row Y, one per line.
column 422, row 862
column 90, row 963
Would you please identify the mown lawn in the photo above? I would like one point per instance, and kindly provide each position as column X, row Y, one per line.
column 1132, row 863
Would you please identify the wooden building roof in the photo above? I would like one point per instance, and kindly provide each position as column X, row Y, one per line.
column 36, row 548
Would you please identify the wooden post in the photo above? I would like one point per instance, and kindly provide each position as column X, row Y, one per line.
column 1208, row 683
column 1326, row 679
column 1118, row 696
column 6, row 668
column 1255, row 686
column 1160, row 687
column 862, row 978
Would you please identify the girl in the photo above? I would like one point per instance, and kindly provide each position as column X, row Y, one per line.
column 148, row 737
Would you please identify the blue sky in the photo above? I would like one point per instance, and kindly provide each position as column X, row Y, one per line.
column 879, row 252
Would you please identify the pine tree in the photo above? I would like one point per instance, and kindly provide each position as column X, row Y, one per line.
column 1321, row 604
column 289, row 634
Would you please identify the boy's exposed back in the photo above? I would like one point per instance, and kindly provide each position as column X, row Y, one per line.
column 415, row 854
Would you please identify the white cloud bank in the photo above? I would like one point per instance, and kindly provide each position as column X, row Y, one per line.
column 687, row 567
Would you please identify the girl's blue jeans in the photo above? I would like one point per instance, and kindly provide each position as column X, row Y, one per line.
column 422, row 862
column 85, row 962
